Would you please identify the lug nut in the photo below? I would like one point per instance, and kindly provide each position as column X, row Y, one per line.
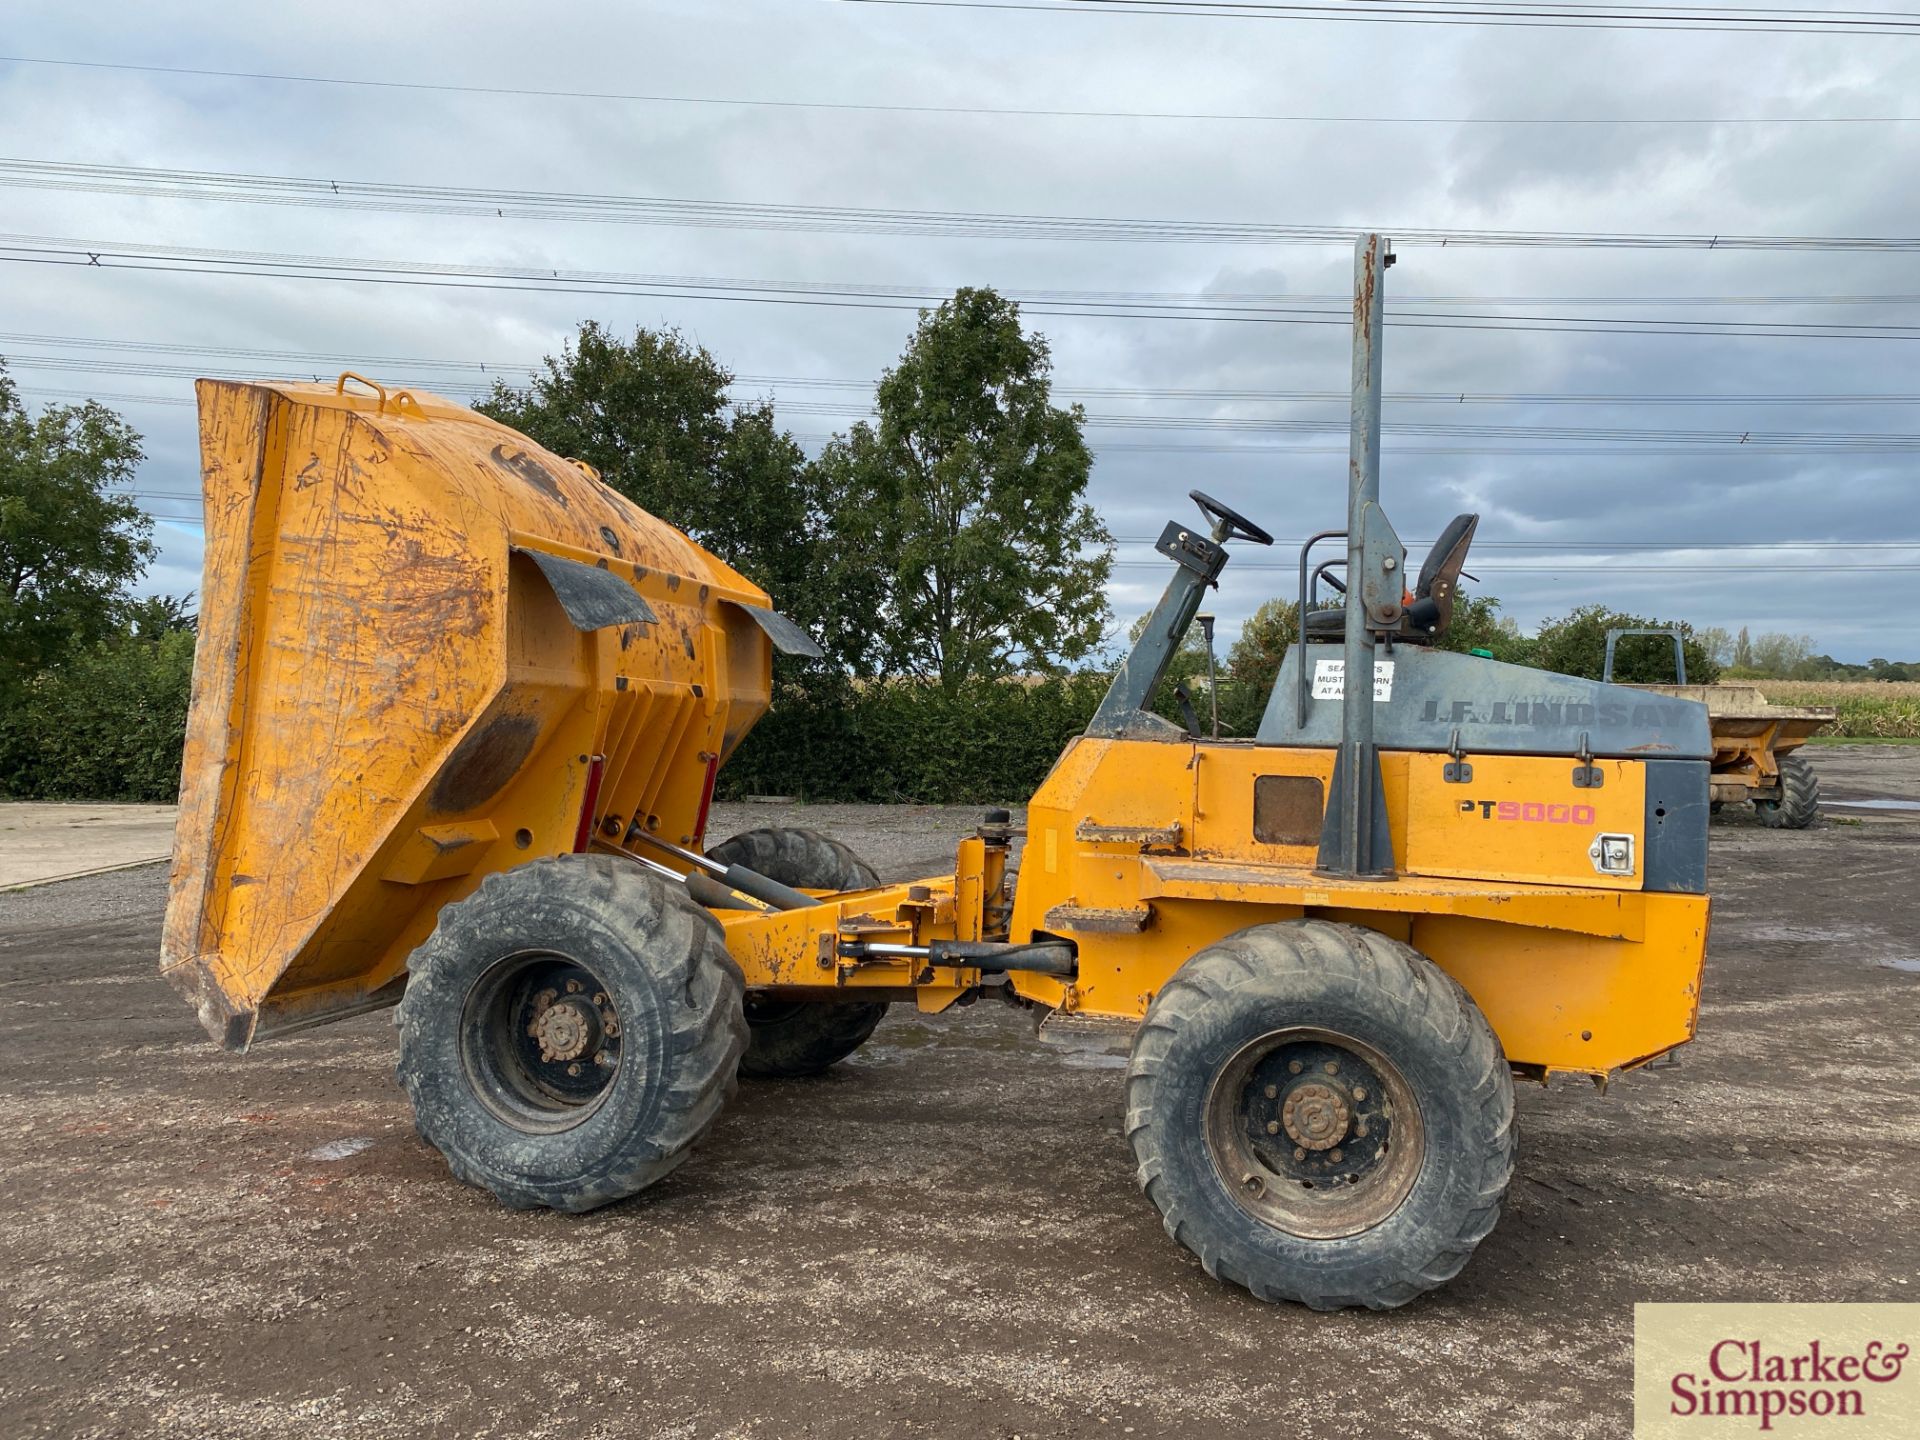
column 1359, row 1092
column 574, row 1069
column 1332, row 1067
column 1293, row 1067
column 1273, row 1092
column 1273, row 1127
column 1299, row 1152
column 1334, row 1156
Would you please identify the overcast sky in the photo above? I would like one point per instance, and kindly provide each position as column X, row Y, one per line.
column 1593, row 509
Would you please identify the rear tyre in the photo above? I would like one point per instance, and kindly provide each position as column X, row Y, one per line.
column 1799, row 802
column 794, row 1038
column 569, row 1031
column 1322, row 1115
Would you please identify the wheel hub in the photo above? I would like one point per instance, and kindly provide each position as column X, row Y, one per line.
column 1314, row 1132
column 541, row 1041
column 565, row 1029
column 1315, row 1115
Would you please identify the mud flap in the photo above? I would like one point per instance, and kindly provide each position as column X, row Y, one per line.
column 788, row 638
column 593, row 598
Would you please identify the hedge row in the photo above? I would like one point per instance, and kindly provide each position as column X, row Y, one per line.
column 905, row 740
column 109, row 724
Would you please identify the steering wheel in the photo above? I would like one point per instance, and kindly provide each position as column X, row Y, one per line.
column 1237, row 525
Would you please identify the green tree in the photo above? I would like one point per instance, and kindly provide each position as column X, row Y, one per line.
column 968, row 502
column 652, row 415
column 1717, row 641
column 1577, row 645
column 151, row 616
column 69, row 544
column 1478, row 625
column 1779, row 654
column 1254, row 659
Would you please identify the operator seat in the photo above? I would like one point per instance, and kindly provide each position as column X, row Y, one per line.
column 1429, row 609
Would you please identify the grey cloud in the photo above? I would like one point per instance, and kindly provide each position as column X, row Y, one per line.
column 1819, row 179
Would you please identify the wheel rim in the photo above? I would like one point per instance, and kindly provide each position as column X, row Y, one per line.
column 1314, row 1133
column 540, row 1041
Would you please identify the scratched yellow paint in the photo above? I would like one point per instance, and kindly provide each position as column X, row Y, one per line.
column 390, row 704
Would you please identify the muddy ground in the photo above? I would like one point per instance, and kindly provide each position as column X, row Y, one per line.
column 942, row 1237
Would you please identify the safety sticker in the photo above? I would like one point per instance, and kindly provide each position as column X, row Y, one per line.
column 1330, row 679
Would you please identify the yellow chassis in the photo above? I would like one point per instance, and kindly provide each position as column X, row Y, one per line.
column 1138, row 852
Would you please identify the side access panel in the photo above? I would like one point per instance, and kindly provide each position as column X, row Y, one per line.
column 1522, row 818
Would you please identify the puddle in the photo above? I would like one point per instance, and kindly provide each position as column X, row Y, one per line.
column 1907, row 805
column 340, row 1149
column 1906, row 963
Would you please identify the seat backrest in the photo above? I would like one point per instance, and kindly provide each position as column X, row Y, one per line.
column 1448, row 554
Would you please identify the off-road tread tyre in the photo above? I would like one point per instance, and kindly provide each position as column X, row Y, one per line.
column 678, row 993
column 1357, row 982
column 803, row 1039
column 1799, row 803
column 804, row 859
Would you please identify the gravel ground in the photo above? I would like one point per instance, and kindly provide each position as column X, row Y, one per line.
column 942, row 1237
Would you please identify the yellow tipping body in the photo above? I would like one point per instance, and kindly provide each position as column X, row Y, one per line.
column 392, row 700
column 1750, row 736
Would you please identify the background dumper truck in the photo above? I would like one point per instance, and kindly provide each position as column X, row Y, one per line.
column 457, row 717
column 1755, row 744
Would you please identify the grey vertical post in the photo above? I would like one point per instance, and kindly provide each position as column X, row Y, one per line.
column 1356, row 794
column 1213, row 687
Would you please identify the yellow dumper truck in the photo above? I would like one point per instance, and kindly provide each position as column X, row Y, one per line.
column 1756, row 745
column 458, row 712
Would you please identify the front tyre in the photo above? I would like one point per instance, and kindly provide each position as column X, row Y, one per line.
column 1322, row 1115
column 1799, row 802
column 569, row 1030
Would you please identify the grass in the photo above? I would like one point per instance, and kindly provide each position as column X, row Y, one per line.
column 1869, row 709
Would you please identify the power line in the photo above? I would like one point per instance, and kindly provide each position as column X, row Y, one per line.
column 1340, row 424
column 968, row 111
column 1609, row 569
column 315, row 364
column 1603, row 546
column 1497, row 567
column 1592, row 17
column 1614, row 453
column 182, row 260
column 1480, row 545
column 88, row 364
column 1677, row 441
column 379, row 196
